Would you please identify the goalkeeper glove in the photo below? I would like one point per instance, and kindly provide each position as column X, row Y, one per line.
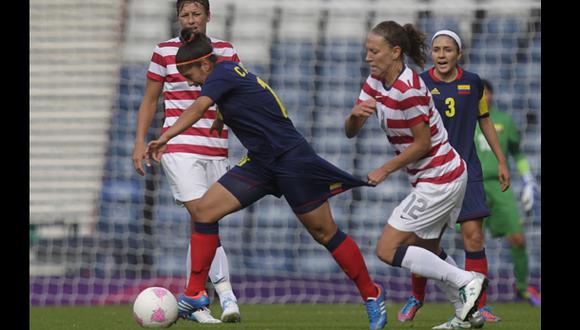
column 530, row 192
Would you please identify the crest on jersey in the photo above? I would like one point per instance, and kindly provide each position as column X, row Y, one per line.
column 435, row 91
column 464, row 89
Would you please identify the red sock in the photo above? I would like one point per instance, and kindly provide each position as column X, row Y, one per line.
column 349, row 258
column 418, row 284
column 203, row 248
column 477, row 262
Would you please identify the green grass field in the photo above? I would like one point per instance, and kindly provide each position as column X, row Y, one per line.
column 270, row 317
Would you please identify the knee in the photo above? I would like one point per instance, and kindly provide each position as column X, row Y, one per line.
column 474, row 239
column 385, row 253
column 198, row 213
column 321, row 235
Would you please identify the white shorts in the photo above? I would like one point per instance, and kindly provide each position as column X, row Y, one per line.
column 189, row 176
column 429, row 207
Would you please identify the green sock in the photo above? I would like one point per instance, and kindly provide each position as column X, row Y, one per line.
column 520, row 261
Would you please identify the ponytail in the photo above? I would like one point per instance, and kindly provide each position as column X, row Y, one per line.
column 418, row 49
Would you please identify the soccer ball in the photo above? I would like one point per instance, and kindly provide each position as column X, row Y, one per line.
column 155, row 307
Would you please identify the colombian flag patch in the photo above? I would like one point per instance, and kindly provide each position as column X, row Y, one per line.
column 336, row 188
column 464, row 89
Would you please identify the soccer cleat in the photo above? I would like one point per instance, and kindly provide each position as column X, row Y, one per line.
column 488, row 315
column 231, row 311
column 454, row 323
column 477, row 321
column 195, row 308
column 470, row 295
column 376, row 310
column 533, row 296
column 407, row 313
column 202, row 315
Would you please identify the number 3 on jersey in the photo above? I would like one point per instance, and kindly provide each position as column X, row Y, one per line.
column 450, row 102
column 242, row 72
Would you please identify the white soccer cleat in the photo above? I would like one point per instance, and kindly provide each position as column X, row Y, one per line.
column 477, row 321
column 454, row 323
column 231, row 311
column 470, row 295
column 203, row 315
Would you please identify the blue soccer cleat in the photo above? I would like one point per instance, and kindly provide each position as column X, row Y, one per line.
column 376, row 310
column 488, row 315
column 407, row 313
column 187, row 305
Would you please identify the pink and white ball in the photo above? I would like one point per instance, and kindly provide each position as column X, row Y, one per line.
column 155, row 307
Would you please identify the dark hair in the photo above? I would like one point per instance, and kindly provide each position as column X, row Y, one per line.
column 181, row 3
column 487, row 85
column 195, row 46
column 408, row 37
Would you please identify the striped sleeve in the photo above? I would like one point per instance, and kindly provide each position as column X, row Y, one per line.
column 157, row 67
column 225, row 50
column 367, row 91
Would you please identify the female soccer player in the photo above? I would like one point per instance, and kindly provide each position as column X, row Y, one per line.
column 198, row 157
column 279, row 162
column 405, row 110
column 458, row 96
column 505, row 220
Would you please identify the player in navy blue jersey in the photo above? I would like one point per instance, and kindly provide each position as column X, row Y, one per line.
column 279, row 162
column 458, row 96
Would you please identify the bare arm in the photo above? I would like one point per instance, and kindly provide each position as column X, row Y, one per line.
column 358, row 116
column 417, row 149
column 145, row 116
column 488, row 130
column 189, row 117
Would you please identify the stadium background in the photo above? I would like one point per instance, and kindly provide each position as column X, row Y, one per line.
column 99, row 233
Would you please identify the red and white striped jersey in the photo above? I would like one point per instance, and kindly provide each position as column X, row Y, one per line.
column 178, row 95
column 405, row 104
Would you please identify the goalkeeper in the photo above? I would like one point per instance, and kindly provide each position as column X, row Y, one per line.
column 505, row 219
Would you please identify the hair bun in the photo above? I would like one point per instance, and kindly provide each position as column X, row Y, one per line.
column 187, row 34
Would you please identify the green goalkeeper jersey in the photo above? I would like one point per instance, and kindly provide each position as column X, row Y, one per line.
column 509, row 140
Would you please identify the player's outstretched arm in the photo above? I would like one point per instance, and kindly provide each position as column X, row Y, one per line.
column 488, row 130
column 189, row 117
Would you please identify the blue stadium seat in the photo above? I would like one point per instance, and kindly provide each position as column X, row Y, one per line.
column 496, row 25
column 536, row 50
column 114, row 190
column 294, row 52
column 350, row 51
column 430, row 25
column 333, row 98
column 528, row 71
column 293, row 76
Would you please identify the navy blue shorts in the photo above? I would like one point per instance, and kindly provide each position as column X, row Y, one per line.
column 300, row 175
column 474, row 205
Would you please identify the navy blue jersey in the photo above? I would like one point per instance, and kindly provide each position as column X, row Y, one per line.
column 460, row 104
column 252, row 110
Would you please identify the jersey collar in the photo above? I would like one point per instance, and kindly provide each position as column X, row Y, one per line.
column 434, row 77
column 400, row 73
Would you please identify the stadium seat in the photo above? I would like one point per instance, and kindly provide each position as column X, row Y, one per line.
column 430, row 25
